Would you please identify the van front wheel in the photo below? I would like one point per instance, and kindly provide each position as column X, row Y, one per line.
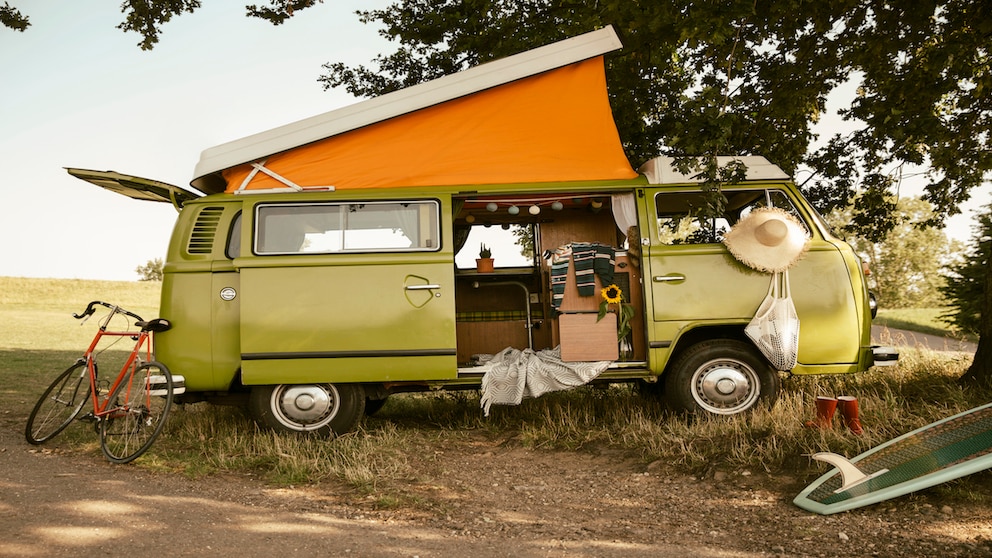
column 721, row 377
column 324, row 409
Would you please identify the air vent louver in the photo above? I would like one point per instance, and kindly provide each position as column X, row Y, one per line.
column 201, row 241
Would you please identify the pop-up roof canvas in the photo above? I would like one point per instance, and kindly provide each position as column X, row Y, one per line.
column 539, row 116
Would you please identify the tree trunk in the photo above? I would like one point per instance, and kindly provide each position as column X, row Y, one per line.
column 980, row 371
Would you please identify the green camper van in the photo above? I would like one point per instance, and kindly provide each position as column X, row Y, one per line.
column 319, row 267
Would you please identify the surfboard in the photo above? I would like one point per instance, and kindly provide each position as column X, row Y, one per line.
column 939, row 452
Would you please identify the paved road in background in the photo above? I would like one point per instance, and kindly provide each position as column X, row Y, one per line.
column 900, row 338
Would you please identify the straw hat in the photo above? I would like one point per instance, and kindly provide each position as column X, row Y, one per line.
column 768, row 239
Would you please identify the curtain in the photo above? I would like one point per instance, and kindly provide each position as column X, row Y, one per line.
column 624, row 212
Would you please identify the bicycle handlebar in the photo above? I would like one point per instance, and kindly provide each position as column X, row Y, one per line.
column 91, row 308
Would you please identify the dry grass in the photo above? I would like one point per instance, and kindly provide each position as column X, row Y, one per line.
column 203, row 440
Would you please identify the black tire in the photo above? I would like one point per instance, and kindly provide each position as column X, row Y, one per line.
column 61, row 403
column 721, row 377
column 372, row 406
column 322, row 409
column 139, row 408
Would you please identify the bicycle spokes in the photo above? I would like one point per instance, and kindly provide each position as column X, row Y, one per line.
column 136, row 412
column 59, row 405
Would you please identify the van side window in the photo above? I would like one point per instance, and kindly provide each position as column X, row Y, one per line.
column 233, row 249
column 683, row 217
column 323, row 228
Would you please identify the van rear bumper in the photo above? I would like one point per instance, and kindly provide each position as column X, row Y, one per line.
column 884, row 355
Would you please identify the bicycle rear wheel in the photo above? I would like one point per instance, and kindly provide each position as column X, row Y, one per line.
column 136, row 412
column 59, row 405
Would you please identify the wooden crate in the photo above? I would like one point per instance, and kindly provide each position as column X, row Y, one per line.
column 583, row 339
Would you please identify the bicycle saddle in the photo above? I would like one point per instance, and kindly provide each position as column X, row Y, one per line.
column 157, row 325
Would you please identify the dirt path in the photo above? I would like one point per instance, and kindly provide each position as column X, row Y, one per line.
column 474, row 497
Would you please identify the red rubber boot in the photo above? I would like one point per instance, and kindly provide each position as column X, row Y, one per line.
column 849, row 411
column 825, row 407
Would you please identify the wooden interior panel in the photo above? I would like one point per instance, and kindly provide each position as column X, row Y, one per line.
column 579, row 226
column 584, row 339
column 489, row 337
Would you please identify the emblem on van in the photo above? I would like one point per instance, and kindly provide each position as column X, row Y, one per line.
column 228, row 293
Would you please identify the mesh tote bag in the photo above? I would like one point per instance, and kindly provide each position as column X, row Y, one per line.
column 775, row 326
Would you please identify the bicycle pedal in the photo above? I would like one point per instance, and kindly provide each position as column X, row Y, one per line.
column 88, row 417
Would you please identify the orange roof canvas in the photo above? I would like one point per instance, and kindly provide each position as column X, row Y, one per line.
column 555, row 126
column 539, row 116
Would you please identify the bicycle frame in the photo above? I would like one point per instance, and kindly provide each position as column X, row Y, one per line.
column 143, row 341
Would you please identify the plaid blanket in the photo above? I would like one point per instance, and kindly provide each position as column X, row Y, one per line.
column 512, row 375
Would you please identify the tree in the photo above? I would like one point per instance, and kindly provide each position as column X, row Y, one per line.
column 966, row 286
column 151, row 271
column 906, row 265
column 146, row 17
column 699, row 79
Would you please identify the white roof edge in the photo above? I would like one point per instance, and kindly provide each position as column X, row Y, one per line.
column 378, row 109
column 661, row 170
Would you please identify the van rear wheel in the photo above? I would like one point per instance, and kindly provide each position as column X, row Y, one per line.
column 721, row 377
column 325, row 409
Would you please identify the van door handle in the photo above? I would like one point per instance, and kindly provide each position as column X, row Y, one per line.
column 423, row 287
column 670, row 278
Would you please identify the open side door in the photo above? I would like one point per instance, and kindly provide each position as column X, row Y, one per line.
column 136, row 187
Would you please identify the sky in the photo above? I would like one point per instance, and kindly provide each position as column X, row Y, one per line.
column 78, row 92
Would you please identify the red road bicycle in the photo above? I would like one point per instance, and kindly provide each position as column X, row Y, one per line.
column 129, row 410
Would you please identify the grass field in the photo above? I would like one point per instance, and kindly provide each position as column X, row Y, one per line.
column 40, row 338
column 920, row 320
column 36, row 314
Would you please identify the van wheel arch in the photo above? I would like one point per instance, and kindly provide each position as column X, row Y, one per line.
column 720, row 377
column 323, row 409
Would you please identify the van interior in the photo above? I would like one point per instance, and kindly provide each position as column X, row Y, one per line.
column 531, row 239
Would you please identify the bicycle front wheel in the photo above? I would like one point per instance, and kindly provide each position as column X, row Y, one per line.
column 136, row 412
column 59, row 405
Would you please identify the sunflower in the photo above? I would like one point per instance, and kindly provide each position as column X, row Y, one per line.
column 612, row 294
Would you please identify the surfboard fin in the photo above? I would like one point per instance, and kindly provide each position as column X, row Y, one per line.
column 850, row 475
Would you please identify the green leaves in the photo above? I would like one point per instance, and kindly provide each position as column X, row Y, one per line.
column 702, row 79
column 146, row 17
column 12, row 18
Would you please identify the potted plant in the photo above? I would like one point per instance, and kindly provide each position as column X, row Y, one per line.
column 484, row 264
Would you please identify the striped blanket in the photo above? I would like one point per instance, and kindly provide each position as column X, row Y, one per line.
column 512, row 375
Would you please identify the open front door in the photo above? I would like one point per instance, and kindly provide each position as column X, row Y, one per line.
column 348, row 292
column 135, row 187
column 696, row 282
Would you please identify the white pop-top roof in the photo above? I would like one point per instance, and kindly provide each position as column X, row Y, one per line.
column 661, row 170
column 410, row 99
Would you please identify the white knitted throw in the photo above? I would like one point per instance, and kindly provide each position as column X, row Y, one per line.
column 512, row 375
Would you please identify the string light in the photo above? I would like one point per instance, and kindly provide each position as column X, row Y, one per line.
column 595, row 203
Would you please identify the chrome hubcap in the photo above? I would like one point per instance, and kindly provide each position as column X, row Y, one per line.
column 305, row 407
column 725, row 386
